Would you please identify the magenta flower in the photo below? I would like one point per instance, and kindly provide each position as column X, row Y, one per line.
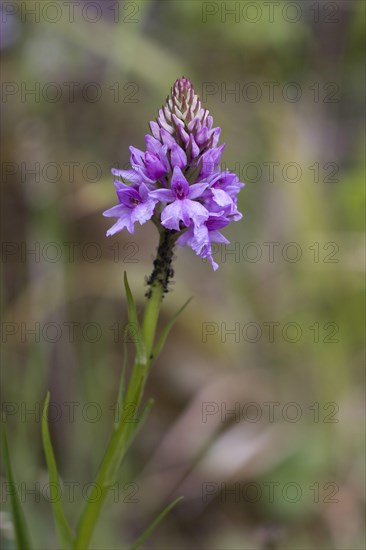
column 200, row 238
column 135, row 205
column 183, row 207
column 177, row 182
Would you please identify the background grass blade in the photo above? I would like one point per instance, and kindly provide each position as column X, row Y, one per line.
column 142, row 538
column 20, row 526
column 63, row 530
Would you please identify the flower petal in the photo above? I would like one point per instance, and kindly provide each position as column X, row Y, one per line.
column 178, row 157
column 196, row 190
column 183, row 210
column 155, row 129
column 129, row 175
column 171, row 215
column 115, row 211
column 153, row 145
column 123, row 222
column 143, row 211
column 163, row 195
column 155, row 168
column 180, row 185
column 221, row 197
column 137, row 156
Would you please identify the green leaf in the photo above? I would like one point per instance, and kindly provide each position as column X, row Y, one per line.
column 63, row 530
column 133, row 319
column 140, row 422
column 20, row 526
column 145, row 535
column 121, row 388
column 165, row 332
column 125, row 443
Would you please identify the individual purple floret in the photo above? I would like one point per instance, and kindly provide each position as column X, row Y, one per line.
column 135, row 205
column 182, row 208
column 200, row 238
column 177, row 182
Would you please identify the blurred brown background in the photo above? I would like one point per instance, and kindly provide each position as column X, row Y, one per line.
column 275, row 335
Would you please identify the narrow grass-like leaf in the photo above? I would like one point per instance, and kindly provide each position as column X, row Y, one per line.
column 127, row 441
column 20, row 526
column 140, row 421
column 121, row 388
column 133, row 320
column 145, row 535
column 63, row 530
column 165, row 332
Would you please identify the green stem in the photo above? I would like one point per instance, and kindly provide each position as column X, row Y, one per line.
column 118, row 444
column 98, row 495
column 111, row 461
column 158, row 282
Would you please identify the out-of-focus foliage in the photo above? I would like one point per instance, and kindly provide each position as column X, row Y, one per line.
column 96, row 87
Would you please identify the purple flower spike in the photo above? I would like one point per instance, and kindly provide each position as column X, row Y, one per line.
column 177, row 181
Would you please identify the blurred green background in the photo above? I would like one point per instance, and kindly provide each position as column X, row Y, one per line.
column 286, row 469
